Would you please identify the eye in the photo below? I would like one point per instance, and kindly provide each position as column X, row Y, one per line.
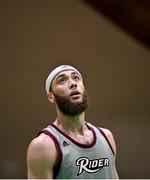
column 76, row 77
column 61, row 80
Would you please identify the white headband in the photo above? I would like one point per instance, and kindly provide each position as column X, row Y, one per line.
column 56, row 71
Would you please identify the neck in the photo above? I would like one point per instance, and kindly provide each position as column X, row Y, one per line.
column 71, row 123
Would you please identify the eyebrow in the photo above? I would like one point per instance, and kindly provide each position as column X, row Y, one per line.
column 61, row 75
column 75, row 73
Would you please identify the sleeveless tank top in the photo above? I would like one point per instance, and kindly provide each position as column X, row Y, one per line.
column 82, row 161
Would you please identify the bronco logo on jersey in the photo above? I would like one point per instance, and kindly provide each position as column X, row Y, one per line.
column 91, row 166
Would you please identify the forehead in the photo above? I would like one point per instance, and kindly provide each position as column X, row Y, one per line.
column 66, row 73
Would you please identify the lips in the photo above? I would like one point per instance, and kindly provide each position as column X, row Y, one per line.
column 74, row 93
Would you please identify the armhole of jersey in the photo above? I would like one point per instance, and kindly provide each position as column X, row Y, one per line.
column 102, row 132
column 59, row 152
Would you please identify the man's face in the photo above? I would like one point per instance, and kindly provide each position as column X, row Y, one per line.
column 69, row 93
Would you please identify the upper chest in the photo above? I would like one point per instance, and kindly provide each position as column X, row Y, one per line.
column 86, row 138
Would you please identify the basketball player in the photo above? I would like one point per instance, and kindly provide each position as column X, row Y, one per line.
column 70, row 147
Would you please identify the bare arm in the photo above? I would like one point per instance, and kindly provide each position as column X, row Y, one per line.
column 112, row 142
column 41, row 158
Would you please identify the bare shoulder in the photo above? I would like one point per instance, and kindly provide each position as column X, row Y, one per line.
column 42, row 139
column 42, row 147
column 41, row 155
column 107, row 132
column 110, row 137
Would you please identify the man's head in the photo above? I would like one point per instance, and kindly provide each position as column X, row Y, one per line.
column 55, row 72
column 65, row 88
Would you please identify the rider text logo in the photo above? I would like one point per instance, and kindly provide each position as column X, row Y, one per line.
column 91, row 166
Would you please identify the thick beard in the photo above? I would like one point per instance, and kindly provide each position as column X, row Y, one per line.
column 72, row 108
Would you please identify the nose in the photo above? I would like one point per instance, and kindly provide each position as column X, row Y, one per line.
column 72, row 84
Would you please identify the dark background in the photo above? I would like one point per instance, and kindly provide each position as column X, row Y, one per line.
column 108, row 42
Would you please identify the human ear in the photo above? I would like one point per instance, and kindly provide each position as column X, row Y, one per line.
column 50, row 97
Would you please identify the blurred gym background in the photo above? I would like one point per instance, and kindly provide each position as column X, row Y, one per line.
column 108, row 41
